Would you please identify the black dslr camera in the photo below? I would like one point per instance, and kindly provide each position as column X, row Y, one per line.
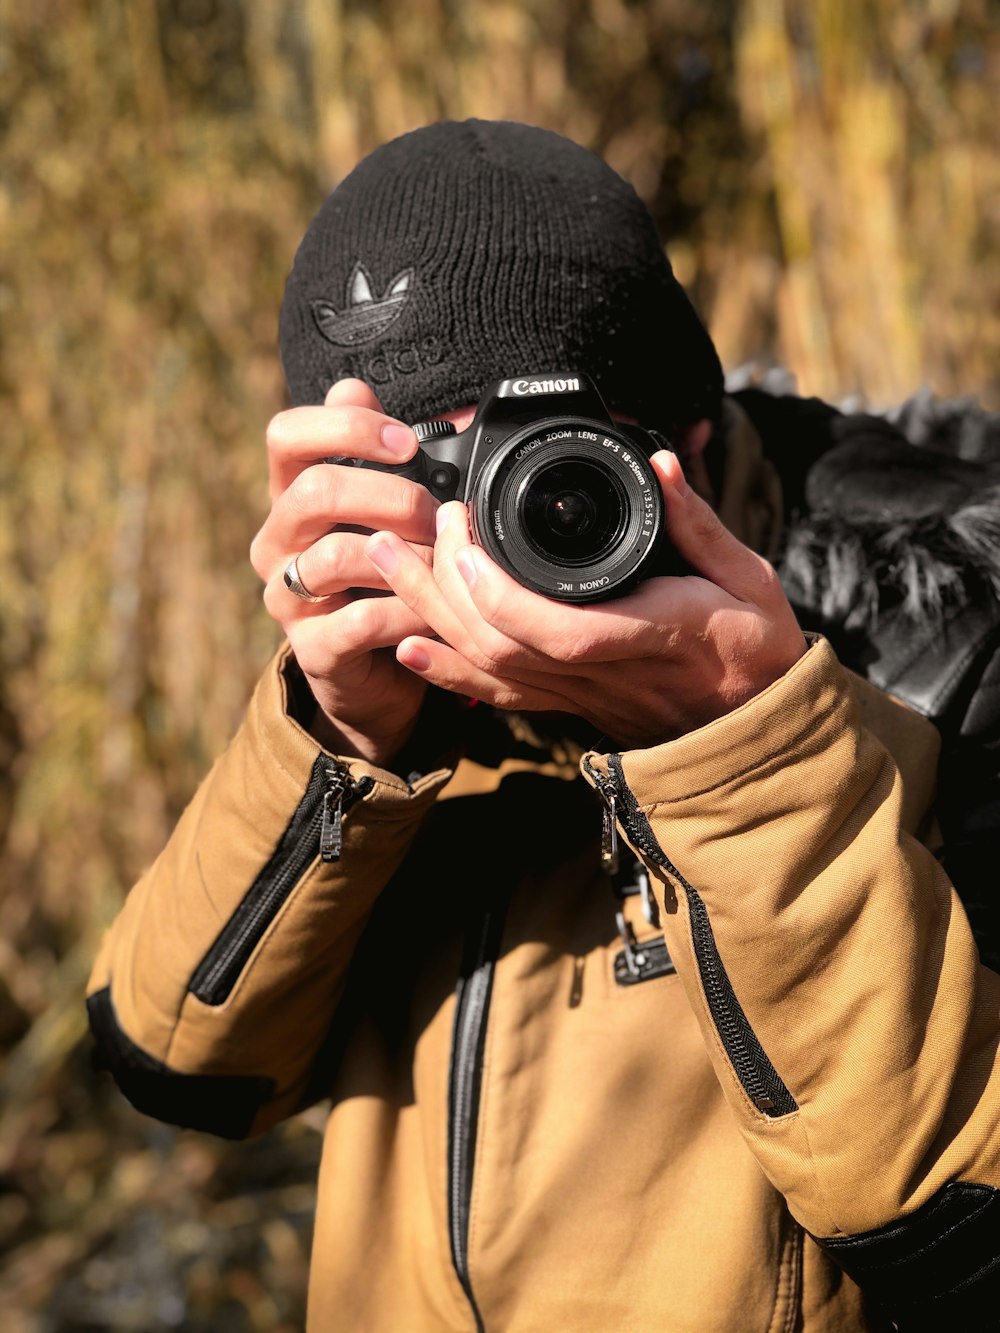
column 559, row 495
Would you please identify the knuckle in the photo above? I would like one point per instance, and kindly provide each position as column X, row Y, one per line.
column 309, row 655
column 709, row 528
column 768, row 576
column 497, row 652
column 507, row 698
column 257, row 560
column 355, row 622
column 318, row 652
column 324, row 562
column 760, row 583
column 281, row 431
column 310, row 491
column 411, row 505
column 272, row 600
column 361, row 627
column 571, row 649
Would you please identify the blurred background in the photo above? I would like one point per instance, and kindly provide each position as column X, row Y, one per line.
column 825, row 174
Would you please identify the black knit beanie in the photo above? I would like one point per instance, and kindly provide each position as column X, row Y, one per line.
column 467, row 252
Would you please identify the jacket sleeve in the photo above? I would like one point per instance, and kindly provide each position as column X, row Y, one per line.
column 216, row 985
column 835, row 978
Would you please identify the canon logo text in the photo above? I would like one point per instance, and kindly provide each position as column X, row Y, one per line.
column 523, row 387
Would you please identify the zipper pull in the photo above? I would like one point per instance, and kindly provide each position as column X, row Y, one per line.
column 331, row 833
column 609, row 831
column 605, row 788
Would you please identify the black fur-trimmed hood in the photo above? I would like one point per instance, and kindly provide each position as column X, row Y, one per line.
column 889, row 524
column 894, row 510
column 891, row 544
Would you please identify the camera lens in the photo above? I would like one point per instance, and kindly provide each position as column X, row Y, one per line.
column 572, row 511
column 570, row 507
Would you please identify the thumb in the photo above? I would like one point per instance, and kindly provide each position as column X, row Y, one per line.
column 703, row 540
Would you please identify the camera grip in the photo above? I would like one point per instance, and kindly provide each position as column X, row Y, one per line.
column 415, row 469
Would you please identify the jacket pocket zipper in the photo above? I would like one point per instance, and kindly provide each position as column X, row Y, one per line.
column 758, row 1077
column 472, row 1005
column 314, row 830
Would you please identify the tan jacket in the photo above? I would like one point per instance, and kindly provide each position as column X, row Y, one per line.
column 523, row 1136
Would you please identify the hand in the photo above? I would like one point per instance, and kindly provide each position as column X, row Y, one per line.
column 322, row 514
column 671, row 656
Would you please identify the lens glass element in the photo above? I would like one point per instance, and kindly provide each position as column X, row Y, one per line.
column 572, row 510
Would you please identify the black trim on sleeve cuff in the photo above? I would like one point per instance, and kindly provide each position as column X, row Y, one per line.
column 937, row 1268
column 222, row 1104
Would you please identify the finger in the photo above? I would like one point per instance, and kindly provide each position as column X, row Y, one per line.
column 327, row 644
column 337, row 562
column 526, row 631
column 499, row 638
column 703, row 540
column 303, row 436
column 287, row 608
column 412, row 581
column 440, row 664
column 323, row 497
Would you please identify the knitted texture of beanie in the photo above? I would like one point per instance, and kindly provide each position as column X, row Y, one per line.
column 467, row 252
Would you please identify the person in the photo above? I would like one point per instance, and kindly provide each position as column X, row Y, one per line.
column 748, row 1078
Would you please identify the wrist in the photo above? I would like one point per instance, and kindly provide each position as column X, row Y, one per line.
column 339, row 738
column 353, row 739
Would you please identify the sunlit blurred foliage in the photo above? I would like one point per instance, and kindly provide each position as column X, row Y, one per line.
column 826, row 175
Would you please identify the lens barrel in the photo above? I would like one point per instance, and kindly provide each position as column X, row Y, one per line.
column 570, row 508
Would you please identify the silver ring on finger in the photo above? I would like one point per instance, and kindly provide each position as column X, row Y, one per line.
column 294, row 584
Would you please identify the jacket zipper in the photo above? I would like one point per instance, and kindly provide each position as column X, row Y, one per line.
column 754, row 1070
column 315, row 829
column 472, row 1004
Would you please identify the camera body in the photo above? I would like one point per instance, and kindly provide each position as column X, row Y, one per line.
column 559, row 494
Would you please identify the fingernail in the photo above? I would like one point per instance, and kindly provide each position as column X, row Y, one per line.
column 398, row 439
column 466, row 562
column 441, row 519
column 417, row 659
column 382, row 556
